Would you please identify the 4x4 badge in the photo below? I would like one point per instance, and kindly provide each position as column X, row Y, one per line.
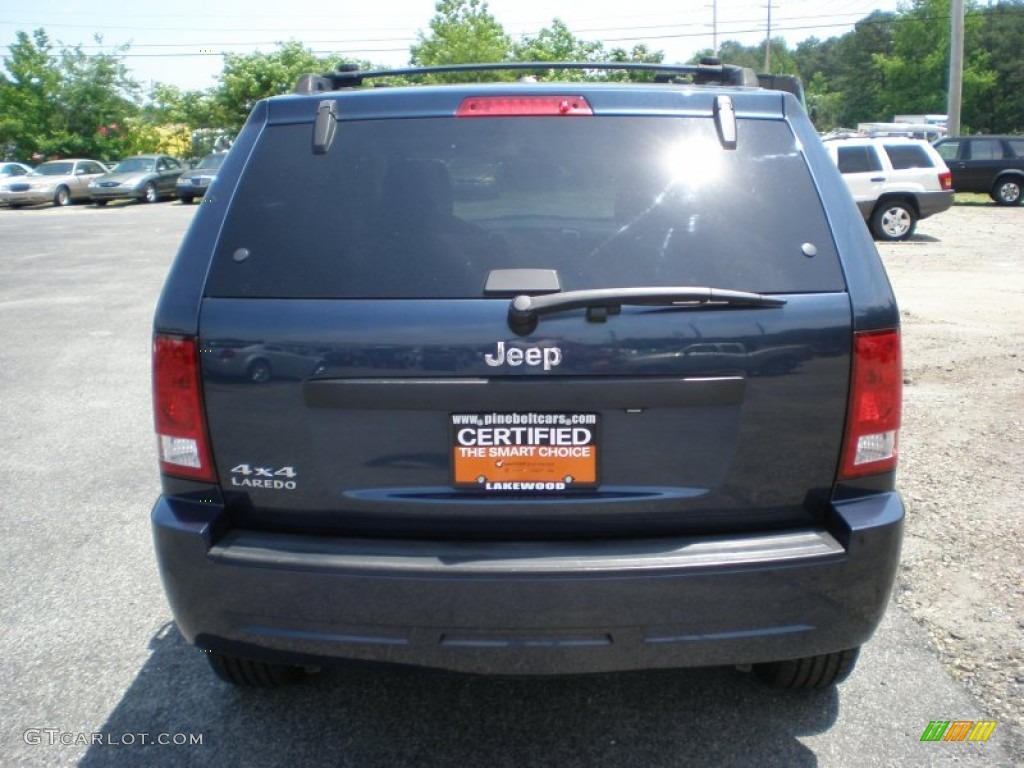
column 549, row 357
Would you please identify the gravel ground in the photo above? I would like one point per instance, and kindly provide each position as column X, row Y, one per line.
column 960, row 285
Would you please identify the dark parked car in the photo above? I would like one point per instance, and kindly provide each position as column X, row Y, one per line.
column 143, row 177
column 194, row 182
column 632, row 407
column 992, row 165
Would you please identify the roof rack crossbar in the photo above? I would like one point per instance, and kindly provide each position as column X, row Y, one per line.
column 704, row 73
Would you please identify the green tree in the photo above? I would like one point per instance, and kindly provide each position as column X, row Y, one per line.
column 816, row 63
column 66, row 103
column 98, row 102
column 1000, row 109
column 752, row 56
column 170, row 104
column 247, row 78
column 638, row 54
column 28, row 88
column 557, row 43
column 860, row 82
column 463, row 32
column 916, row 71
column 823, row 104
column 182, row 114
column 813, row 56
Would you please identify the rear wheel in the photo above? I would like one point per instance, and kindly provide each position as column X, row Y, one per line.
column 62, row 196
column 1007, row 191
column 149, row 194
column 893, row 220
column 253, row 674
column 810, row 672
column 186, row 199
column 259, row 371
column 100, row 203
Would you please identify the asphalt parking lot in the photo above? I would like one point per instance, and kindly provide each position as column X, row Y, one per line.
column 93, row 672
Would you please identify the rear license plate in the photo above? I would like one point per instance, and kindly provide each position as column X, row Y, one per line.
column 524, row 451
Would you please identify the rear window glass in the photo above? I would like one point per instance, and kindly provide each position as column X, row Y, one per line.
column 212, row 162
column 862, row 159
column 905, row 156
column 55, row 169
column 948, row 150
column 986, row 149
column 426, row 208
column 1017, row 145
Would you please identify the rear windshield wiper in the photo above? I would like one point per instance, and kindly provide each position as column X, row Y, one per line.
column 524, row 311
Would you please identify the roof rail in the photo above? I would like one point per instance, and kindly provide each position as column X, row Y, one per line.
column 708, row 72
column 842, row 133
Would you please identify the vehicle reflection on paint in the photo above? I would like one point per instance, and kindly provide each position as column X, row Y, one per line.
column 260, row 363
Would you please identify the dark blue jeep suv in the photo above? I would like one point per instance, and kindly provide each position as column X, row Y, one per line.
column 553, row 377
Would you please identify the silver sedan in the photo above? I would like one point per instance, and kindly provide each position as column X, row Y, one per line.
column 58, row 181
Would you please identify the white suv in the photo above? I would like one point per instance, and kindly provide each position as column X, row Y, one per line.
column 895, row 181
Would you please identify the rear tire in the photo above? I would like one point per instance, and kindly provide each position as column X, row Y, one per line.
column 810, row 672
column 62, row 197
column 893, row 220
column 246, row 673
column 100, row 203
column 186, row 200
column 259, row 372
column 1006, row 191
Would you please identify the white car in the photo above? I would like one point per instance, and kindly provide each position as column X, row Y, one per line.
column 895, row 181
column 13, row 169
column 58, row 181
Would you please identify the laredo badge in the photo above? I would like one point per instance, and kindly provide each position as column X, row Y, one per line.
column 268, row 478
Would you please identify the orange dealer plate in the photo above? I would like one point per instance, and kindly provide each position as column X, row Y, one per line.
column 524, row 451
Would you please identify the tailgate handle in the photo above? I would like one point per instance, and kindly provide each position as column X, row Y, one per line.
column 325, row 126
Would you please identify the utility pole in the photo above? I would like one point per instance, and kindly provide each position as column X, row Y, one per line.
column 956, row 68
column 714, row 28
column 768, row 42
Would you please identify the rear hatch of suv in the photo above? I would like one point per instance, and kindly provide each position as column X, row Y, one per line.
column 362, row 371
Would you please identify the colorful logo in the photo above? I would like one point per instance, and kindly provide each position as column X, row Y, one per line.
column 958, row 730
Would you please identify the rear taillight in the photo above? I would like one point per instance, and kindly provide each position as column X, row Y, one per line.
column 946, row 180
column 178, row 409
column 524, row 106
column 876, row 392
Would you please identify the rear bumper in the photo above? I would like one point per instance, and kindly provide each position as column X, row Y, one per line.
column 531, row 607
column 191, row 189
column 931, row 203
column 27, row 198
column 928, row 203
column 117, row 193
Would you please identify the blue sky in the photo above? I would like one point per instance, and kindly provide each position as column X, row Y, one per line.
column 181, row 42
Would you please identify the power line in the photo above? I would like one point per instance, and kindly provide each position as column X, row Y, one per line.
column 820, row 9
column 409, row 40
column 320, row 28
